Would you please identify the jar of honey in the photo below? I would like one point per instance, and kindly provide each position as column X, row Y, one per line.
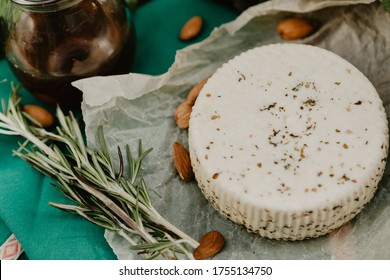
column 51, row 43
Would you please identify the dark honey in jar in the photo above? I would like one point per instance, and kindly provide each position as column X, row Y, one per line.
column 54, row 42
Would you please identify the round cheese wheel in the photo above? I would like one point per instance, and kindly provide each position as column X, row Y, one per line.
column 288, row 140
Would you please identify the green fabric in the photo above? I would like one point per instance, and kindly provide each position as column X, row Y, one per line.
column 158, row 24
column 4, row 232
column 48, row 233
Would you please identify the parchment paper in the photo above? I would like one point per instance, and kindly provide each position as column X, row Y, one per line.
column 134, row 106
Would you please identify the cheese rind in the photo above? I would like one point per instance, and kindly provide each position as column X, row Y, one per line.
column 288, row 140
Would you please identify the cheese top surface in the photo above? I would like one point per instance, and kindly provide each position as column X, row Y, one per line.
column 288, row 126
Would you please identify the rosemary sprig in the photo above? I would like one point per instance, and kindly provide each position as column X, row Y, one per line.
column 100, row 194
column 386, row 4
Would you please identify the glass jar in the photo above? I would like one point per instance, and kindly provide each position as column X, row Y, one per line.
column 51, row 43
column 2, row 36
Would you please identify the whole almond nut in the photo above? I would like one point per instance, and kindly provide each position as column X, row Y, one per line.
column 41, row 115
column 191, row 28
column 182, row 161
column 183, row 111
column 182, row 115
column 194, row 92
column 294, row 28
column 209, row 245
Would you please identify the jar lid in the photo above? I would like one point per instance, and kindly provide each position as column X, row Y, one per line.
column 34, row 2
column 45, row 5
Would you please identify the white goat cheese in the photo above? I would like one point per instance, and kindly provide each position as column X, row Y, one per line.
column 288, row 140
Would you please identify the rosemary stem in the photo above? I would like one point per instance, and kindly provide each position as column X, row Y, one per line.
column 122, row 233
column 175, row 230
column 46, row 149
column 116, row 209
column 154, row 215
column 22, row 131
column 184, row 249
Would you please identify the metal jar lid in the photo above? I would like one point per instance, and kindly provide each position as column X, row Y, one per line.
column 45, row 5
column 34, row 2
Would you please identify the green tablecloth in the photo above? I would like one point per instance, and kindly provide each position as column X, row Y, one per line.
column 48, row 233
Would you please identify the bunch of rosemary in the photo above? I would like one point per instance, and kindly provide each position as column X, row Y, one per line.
column 101, row 194
column 5, row 8
column 386, row 4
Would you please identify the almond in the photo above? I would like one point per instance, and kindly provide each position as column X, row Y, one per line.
column 209, row 245
column 294, row 28
column 191, row 28
column 182, row 161
column 194, row 92
column 41, row 115
column 182, row 115
column 183, row 111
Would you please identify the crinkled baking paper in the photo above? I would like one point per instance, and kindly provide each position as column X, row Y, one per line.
column 134, row 106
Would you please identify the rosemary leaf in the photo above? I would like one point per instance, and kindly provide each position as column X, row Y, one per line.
column 103, row 146
column 130, row 161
